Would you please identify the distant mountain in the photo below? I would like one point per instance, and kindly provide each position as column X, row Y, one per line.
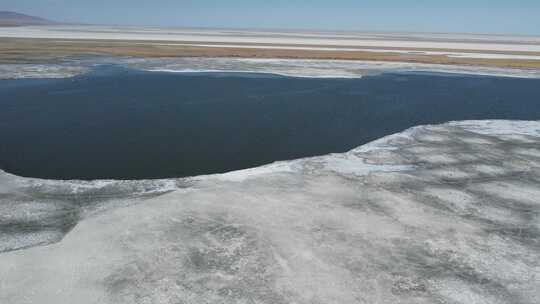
column 17, row 19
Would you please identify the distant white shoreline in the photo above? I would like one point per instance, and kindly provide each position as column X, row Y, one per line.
column 307, row 68
column 504, row 43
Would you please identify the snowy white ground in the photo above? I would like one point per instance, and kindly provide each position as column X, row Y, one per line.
column 484, row 43
column 436, row 214
column 288, row 67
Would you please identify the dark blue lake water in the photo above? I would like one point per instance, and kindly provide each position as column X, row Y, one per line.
column 124, row 124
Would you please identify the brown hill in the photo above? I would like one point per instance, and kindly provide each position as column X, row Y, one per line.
column 18, row 19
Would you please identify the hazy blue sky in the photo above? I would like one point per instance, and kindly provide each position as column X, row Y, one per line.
column 490, row 16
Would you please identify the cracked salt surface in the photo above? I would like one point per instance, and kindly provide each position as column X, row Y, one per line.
column 387, row 222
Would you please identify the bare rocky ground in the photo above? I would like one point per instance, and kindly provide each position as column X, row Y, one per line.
column 436, row 214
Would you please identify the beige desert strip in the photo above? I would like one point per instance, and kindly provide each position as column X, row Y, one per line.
column 296, row 46
column 14, row 50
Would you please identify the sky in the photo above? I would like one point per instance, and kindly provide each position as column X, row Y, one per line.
column 470, row 16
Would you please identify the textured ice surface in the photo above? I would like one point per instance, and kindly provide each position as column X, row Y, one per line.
column 54, row 70
column 286, row 67
column 436, row 214
column 316, row 68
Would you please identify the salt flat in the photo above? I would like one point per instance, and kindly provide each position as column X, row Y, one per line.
column 463, row 42
column 435, row 214
column 53, row 42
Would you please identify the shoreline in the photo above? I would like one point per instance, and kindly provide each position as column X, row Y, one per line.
column 45, row 50
column 454, row 187
column 487, row 127
column 70, row 66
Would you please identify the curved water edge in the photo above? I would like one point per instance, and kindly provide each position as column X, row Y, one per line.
column 436, row 213
column 40, row 211
column 484, row 127
column 131, row 124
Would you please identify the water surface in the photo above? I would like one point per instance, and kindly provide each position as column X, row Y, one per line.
column 125, row 124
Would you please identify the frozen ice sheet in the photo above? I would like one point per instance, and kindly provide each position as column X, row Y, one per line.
column 435, row 214
column 286, row 67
